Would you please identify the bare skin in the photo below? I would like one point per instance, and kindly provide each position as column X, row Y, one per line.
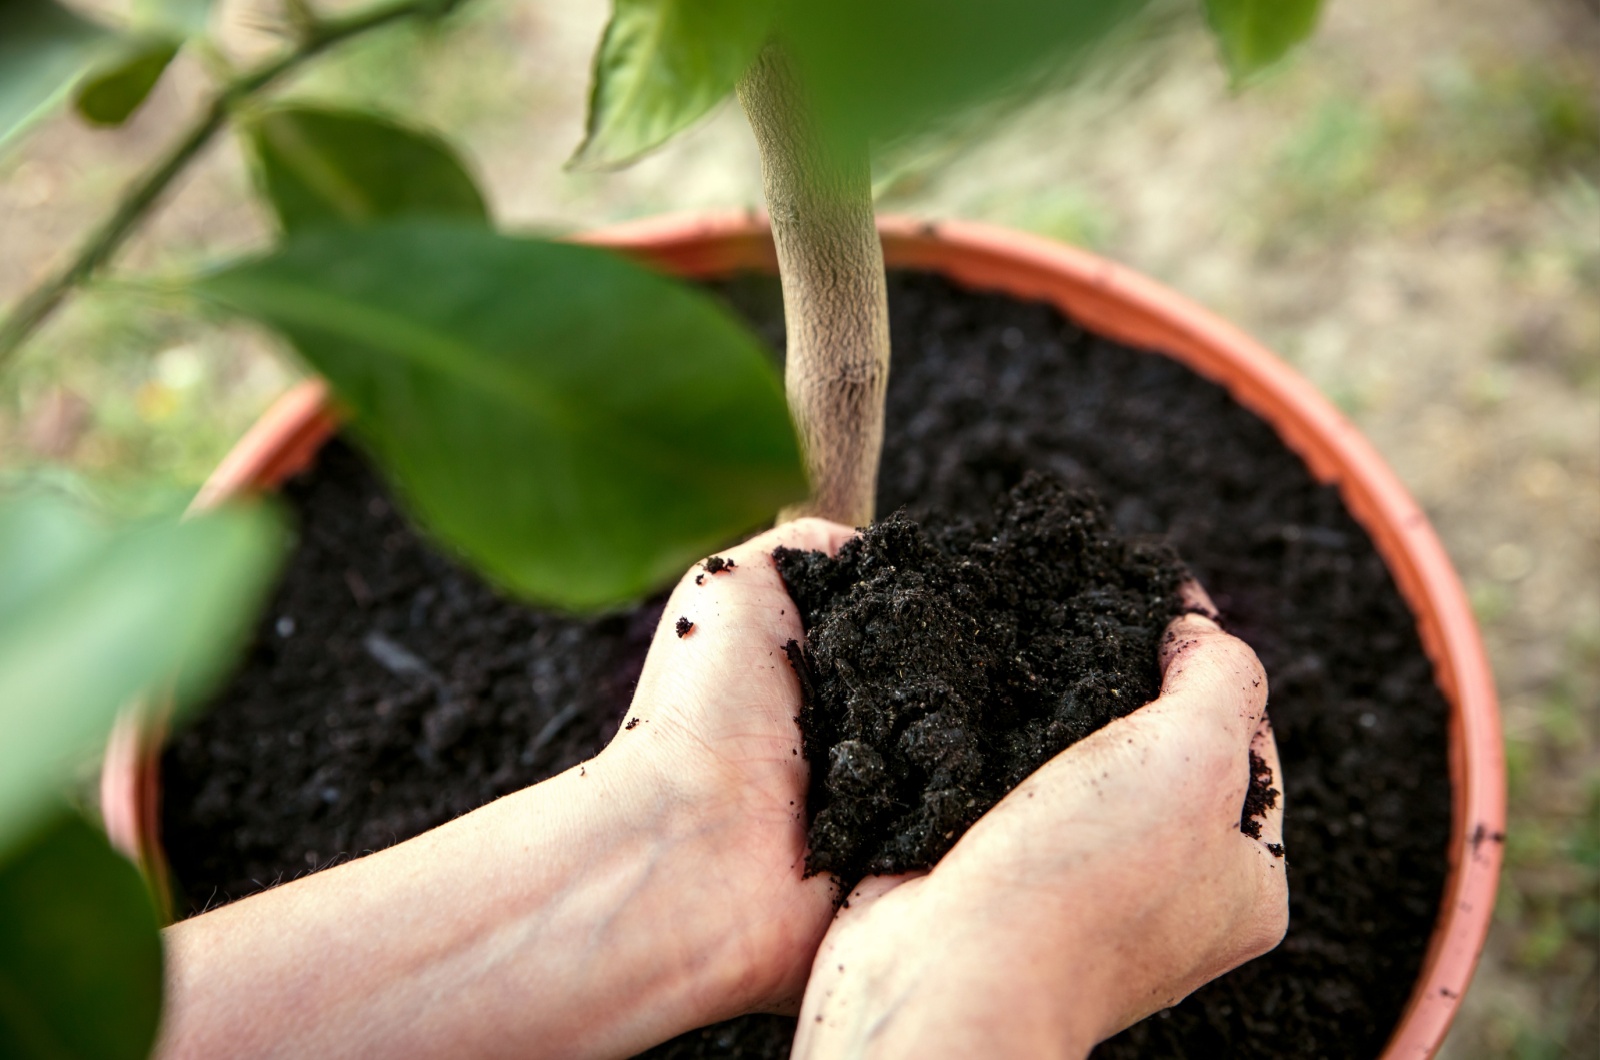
column 659, row 887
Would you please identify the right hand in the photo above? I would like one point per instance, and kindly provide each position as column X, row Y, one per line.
column 1110, row 884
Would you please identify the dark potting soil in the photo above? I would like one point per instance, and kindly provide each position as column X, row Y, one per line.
column 389, row 691
column 945, row 663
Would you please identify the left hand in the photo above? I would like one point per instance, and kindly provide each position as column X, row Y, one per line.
column 653, row 889
column 712, row 738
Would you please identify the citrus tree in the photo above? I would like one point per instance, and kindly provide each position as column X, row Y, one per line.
column 575, row 425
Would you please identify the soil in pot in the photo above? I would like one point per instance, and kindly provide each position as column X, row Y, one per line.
column 389, row 691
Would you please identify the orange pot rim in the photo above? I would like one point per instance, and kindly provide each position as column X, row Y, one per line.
column 1117, row 302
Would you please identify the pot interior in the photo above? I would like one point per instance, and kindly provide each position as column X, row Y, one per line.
column 327, row 743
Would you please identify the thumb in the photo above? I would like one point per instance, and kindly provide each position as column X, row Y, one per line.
column 1209, row 677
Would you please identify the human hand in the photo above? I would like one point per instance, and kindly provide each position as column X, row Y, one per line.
column 1110, row 884
column 712, row 738
column 653, row 889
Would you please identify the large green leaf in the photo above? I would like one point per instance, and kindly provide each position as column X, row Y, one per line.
column 580, row 426
column 320, row 166
column 885, row 68
column 80, row 949
column 44, row 51
column 112, row 93
column 1254, row 34
column 89, row 618
column 661, row 65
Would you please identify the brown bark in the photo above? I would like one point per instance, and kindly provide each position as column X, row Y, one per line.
column 819, row 194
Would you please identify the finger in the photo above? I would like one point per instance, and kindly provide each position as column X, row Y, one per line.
column 1197, row 606
column 872, row 888
column 1210, row 678
column 1196, row 600
column 745, row 579
column 810, row 533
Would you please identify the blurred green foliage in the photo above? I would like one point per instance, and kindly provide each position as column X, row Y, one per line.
column 110, row 95
column 44, row 51
column 80, row 957
column 91, row 616
column 319, row 166
column 662, row 64
column 1255, row 35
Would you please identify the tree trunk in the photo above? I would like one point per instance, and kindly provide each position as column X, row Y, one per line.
column 835, row 303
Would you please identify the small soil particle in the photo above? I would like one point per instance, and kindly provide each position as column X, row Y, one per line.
column 699, row 579
column 719, row 565
column 633, row 723
column 949, row 660
column 683, row 626
column 1260, row 797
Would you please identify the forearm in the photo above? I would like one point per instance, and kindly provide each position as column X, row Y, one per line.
column 566, row 919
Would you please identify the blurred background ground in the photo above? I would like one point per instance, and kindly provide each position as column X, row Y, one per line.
column 1409, row 213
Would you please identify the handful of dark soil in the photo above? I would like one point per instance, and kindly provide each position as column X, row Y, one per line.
column 947, row 661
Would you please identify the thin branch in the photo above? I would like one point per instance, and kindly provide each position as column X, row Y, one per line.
column 36, row 306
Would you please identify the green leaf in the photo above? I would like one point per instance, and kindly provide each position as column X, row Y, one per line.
column 110, row 95
column 80, row 949
column 179, row 18
column 1254, row 34
column 579, row 426
column 887, row 68
column 661, row 65
column 320, row 166
column 90, row 618
column 44, row 50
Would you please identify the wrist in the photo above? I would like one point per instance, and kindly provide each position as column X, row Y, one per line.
column 920, row 976
column 623, row 891
column 736, row 853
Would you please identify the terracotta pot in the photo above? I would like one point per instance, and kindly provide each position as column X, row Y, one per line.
column 1123, row 305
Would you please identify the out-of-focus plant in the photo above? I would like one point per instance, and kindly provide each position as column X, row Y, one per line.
column 91, row 617
column 576, row 425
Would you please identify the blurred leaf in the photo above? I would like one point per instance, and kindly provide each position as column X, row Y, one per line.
column 183, row 18
column 579, row 426
column 44, row 50
column 118, row 87
column 110, row 95
column 884, row 69
column 321, row 166
column 89, row 618
column 1254, row 34
column 661, row 65
column 80, row 949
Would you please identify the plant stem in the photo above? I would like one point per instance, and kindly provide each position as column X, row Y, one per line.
column 36, row 306
column 835, row 299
